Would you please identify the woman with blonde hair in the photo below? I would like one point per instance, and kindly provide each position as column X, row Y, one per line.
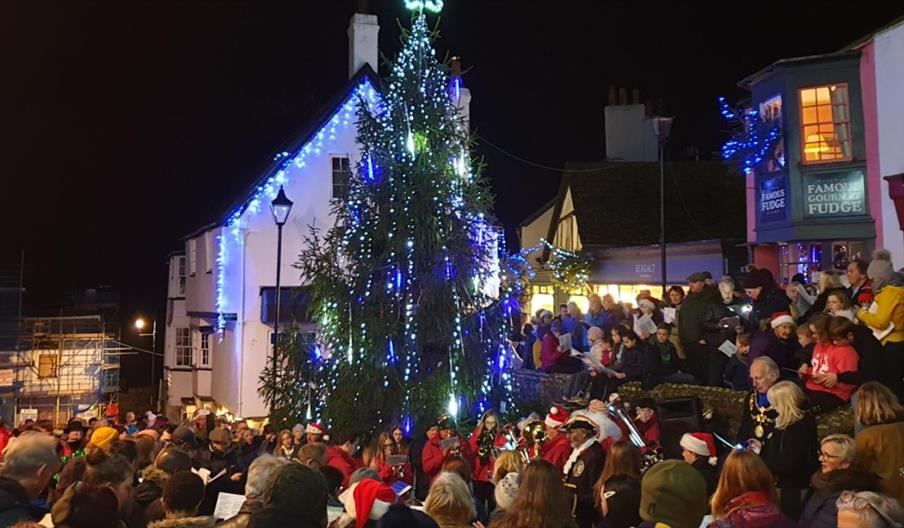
column 746, row 496
column 790, row 454
column 508, row 462
column 835, row 475
column 285, row 445
column 449, row 502
column 880, row 445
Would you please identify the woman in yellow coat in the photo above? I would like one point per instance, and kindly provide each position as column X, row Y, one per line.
column 886, row 318
column 880, row 445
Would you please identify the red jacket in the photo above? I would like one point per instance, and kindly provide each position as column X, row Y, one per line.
column 432, row 457
column 484, row 472
column 339, row 459
column 556, row 451
column 5, row 435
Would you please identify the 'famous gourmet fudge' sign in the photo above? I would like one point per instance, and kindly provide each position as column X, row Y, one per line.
column 828, row 194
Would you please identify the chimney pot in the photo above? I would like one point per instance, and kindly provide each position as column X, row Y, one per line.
column 635, row 96
column 456, row 66
column 613, row 97
column 622, row 96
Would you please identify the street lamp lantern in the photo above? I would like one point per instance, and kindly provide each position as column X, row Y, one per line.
column 140, row 323
column 281, row 206
column 662, row 127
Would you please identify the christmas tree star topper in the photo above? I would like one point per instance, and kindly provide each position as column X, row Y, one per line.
column 419, row 5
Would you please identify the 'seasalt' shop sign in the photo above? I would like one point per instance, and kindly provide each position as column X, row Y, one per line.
column 830, row 194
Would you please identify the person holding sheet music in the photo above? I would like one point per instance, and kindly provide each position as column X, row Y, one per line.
column 886, row 318
column 555, row 353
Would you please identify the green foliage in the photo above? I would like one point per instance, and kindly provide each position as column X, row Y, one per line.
column 397, row 282
column 296, row 389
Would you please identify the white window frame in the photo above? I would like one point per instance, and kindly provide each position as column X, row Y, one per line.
column 208, row 251
column 334, row 172
column 193, row 256
column 183, row 348
column 180, row 272
column 204, row 350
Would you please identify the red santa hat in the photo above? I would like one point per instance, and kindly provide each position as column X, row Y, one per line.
column 780, row 318
column 701, row 444
column 367, row 500
column 556, row 418
column 315, row 428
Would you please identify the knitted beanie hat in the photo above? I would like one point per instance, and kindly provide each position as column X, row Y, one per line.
column 673, row 493
column 507, row 490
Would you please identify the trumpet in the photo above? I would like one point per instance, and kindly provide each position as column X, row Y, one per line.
column 535, row 436
column 650, row 454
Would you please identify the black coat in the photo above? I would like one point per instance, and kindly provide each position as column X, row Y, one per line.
column 699, row 314
column 870, row 351
column 14, row 504
column 709, row 473
column 769, row 302
column 791, row 453
column 580, row 481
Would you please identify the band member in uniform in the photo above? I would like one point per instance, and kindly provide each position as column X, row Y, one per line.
column 758, row 420
column 484, row 442
column 557, row 446
column 435, row 454
column 583, row 468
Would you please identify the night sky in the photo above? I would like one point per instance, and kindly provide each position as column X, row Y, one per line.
column 129, row 124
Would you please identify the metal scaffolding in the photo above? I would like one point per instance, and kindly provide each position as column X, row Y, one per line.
column 61, row 367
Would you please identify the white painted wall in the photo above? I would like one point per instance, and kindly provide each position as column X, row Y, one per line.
column 889, row 49
column 200, row 290
column 179, row 382
column 251, row 265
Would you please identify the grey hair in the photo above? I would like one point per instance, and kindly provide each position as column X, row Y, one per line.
column 769, row 364
column 883, row 511
column 27, row 454
column 364, row 474
column 845, row 444
column 259, row 473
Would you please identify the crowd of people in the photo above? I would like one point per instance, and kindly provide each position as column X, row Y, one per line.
column 599, row 463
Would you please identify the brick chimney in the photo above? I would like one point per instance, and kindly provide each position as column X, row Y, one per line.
column 363, row 40
column 629, row 129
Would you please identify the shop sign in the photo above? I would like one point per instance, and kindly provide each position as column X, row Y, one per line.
column 831, row 194
column 773, row 197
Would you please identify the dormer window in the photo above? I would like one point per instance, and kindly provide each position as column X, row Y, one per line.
column 825, row 122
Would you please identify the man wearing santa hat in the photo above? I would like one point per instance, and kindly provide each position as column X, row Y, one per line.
column 584, row 466
column 314, row 432
column 557, row 447
column 700, row 453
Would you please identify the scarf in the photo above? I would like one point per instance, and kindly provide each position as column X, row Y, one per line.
column 576, row 453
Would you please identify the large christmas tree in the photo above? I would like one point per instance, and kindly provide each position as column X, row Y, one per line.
column 402, row 284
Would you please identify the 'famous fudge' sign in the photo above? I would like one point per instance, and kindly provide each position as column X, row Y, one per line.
column 773, row 197
column 829, row 194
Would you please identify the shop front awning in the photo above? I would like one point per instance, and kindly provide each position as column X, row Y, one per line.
column 642, row 264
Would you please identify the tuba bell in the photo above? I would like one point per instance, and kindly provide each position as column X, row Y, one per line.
column 535, row 436
column 650, row 454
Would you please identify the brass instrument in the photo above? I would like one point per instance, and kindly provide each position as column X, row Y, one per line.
column 535, row 436
column 486, row 444
column 650, row 454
